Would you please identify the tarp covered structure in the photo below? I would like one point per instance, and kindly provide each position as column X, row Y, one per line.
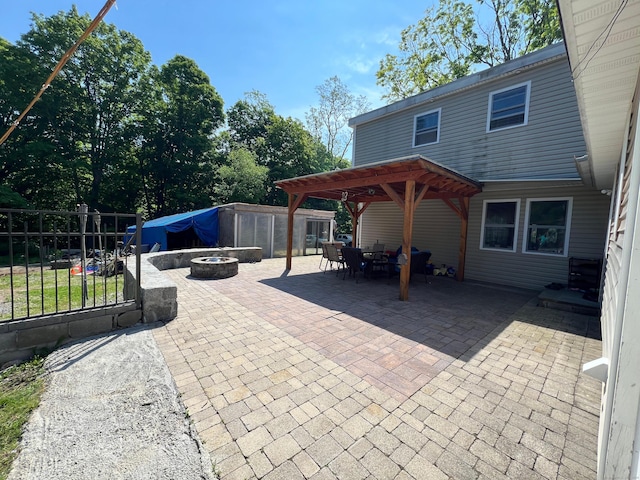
column 204, row 223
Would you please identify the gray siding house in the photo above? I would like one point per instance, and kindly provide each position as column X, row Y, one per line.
column 516, row 129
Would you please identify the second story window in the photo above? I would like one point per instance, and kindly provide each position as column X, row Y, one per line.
column 508, row 107
column 426, row 128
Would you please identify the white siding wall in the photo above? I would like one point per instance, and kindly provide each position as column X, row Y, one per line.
column 619, row 436
column 435, row 224
column 542, row 149
column 437, row 228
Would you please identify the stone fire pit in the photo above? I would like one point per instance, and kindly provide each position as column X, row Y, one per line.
column 214, row 267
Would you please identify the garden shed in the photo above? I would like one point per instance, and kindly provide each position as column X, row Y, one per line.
column 240, row 225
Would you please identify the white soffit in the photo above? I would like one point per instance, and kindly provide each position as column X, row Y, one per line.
column 603, row 43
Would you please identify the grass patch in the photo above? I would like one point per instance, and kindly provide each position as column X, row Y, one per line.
column 20, row 390
column 53, row 291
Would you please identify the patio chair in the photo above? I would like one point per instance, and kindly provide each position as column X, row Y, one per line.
column 333, row 256
column 378, row 248
column 354, row 261
column 324, row 256
column 419, row 263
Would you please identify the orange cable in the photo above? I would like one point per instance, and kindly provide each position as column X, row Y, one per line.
column 65, row 58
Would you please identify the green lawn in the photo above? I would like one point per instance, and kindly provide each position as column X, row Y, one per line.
column 45, row 298
column 20, row 390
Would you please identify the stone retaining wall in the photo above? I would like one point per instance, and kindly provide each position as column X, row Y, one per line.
column 21, row 339
column 159, row 294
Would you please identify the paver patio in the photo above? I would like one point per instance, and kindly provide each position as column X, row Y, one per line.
column 306, row 375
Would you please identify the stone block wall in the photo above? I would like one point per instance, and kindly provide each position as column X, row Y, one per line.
column 21, row 339
column 159, row 294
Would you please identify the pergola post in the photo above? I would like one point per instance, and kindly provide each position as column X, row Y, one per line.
column 355, row 213
column 464, row 222
column 290, row 212
column 463, row 212
column 407, row 234
column 292, row 205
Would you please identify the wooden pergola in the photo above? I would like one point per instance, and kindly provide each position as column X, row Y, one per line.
column 405, row 181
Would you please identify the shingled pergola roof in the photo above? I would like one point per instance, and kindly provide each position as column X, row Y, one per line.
column 405, row 181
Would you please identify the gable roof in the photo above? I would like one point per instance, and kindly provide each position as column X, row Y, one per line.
column 383, row 181
column 512, row 67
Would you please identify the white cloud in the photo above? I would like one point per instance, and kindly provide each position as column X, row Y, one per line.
column 359, row 64
column 389, row 37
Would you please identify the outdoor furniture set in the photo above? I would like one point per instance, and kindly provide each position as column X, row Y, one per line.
column 372, row 262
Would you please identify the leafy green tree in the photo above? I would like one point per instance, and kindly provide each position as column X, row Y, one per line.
column 453, row 39
column 177, row 158
column 328, row 122
column 249, row 119
column 78, row 129
column 283, row 145
column 289, row 150
column 242, row 179
column 10, row 199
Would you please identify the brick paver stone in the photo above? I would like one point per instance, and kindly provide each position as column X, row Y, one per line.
column 308, row 376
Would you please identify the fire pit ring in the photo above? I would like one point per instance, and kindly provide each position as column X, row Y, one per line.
column 214, row 267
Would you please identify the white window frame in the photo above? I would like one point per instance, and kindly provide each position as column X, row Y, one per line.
column 515, row 226
column 415, row 125
column 526, row 106
column 525, row 233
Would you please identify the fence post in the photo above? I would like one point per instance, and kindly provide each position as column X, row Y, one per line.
column 138, row 259
column 83, row 209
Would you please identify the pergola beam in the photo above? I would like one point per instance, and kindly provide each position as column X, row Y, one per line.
column 393, row 195
column 363, row 181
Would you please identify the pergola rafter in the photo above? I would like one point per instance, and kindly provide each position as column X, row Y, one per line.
column 404, row 181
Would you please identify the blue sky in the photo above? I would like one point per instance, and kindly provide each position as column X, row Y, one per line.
column 283, row 48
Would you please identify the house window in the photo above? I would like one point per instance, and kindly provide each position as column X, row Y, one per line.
column 509, row 107
column 426, row 128
column 499, row 225
column 548, row 222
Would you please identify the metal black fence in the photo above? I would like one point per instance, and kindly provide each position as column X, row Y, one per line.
column 55, row 262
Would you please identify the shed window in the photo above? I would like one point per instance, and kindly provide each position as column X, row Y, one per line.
column 548, row 222
column 426, row 128
column 509, row 107
column 500, row 225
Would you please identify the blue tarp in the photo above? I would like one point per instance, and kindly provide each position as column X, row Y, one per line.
column 204, row 223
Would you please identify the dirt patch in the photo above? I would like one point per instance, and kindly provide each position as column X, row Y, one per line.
column 20, row 269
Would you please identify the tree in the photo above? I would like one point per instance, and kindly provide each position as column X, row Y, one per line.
column 283, row 145
column 454, row 39
column 242, row 179
column 328, row 122
column 177, row 161
column 249, row 119
column 288, row 151
column 77, row 132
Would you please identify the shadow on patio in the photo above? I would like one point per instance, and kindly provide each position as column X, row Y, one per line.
column 398, row 346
